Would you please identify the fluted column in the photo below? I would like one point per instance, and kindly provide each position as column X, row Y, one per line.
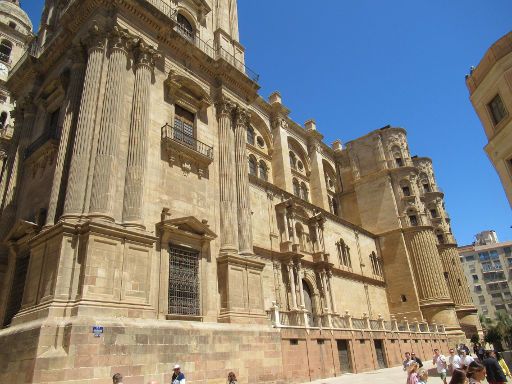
column 299, row 281
column 422, row 245
column 331, row 294
column 137, row 147
column 20, row 143
column 105, row 167
column 71, row 106
column 229, row 232
column 460, row 293
column 77, row 182
column 242, row 183
column 291, row 278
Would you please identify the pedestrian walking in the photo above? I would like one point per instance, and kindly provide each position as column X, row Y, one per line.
column 459, row 377
column 503, row 364
column 416, row 359
column 465, row 359
column 481, row 353
column 495, row 374
column 440, row 362
column 412, row 373
column 177, row 377
column 454, row 361
column 407, row 360
column 475, row 373
column 232, row 378
column 117, row 378
column 423, row 377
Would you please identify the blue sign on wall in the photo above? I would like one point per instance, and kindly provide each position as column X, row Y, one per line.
column 97, row 331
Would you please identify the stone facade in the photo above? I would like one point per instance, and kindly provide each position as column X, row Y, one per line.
column 490, row 89
column 197, row 223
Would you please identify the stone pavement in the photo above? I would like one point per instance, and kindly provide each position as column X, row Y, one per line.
column 394, row 375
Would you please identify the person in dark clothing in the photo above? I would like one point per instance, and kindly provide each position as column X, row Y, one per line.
column 495, row 374
column 416, row 359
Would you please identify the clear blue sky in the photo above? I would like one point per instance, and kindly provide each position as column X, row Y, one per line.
column 355, row 66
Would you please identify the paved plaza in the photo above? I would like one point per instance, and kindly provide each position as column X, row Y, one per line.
column 394, row 375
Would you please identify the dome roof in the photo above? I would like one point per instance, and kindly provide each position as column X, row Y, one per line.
column 12, row 9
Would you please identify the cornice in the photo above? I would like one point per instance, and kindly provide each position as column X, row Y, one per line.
column 269, row 187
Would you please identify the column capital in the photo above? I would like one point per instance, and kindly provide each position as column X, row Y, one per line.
column 242, row 116
column 121, row 40
column 225, row 107
column 95, row 38
column 145, row 55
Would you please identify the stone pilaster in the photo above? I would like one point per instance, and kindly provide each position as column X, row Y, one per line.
column 71, row 106
column 20, row 144
column 242, row 183
column 137, row 147
column 291, row 279
column 77, row 182
column 381, row 156
column 229, row 231
column 105, row 167
column 300, row 274
column 318, row 185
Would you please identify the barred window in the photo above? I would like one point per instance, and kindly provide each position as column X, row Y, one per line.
column 344, row 254
column 263, row 170
column 185, row 27
column 184, row 126
column 184, row 281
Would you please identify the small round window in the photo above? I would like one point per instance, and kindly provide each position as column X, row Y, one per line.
column 300, row 165
column 260, row 142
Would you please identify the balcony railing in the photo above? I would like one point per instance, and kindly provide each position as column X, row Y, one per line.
column 178, row 136
column 305, row 319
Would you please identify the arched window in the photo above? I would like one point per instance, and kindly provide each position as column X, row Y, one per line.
column 263, row 171
column 185, row 28
column 5, row 51
column 413, row 219
column 250, row 135
column 300, row 237
column 334, row 206
column 296, row 188
column 3, row 119
column 433, row 213
column 12, row 24
column 440, row 237
column 293, row 160
column 397, row 155
column 253, row 166
column 304, row 192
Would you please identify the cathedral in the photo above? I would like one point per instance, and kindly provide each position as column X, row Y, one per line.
column 155, row 210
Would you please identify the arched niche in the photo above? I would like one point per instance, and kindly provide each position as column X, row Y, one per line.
column 301, row 154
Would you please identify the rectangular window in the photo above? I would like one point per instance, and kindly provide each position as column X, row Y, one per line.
column 406, row 191
column 507, row 251
column 184, row 282
column 470, row 258
column 478, row 288
column 184, row 125
column 475, row 279
column 414, row 220
column 294, row 342
column 497, row 110
column 483, row 256
column 494, row 255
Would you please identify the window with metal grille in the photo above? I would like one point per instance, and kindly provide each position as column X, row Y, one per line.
column 497, row 109
column 185, row 27
column 184, row 126
column 184, row 281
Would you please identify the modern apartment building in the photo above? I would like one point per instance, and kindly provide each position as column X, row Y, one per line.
column 487, row 265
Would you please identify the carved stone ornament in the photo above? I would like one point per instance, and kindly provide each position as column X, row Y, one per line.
column 95, row 39
column 121, row 39
column 242, row 116
column 145, row 55
column 225, row 107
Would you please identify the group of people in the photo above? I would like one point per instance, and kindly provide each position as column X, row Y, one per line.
column 178, row 377
column 464, row 368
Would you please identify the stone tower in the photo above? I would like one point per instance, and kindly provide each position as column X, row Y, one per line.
column 396, row 196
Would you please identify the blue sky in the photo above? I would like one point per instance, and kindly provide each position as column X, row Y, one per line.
column 355, row 66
